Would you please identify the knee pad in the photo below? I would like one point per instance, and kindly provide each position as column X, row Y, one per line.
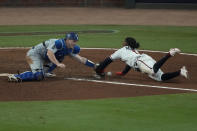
column 39, row 76
column 30, row 76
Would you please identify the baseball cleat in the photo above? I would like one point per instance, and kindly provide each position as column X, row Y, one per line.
column 13, row 78
column 173, row 51
column 184, row 72
column 49, row 75
column 96, row 68
column 98, row 71
column 97, row 76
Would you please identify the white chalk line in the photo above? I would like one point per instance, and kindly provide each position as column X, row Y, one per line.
column 130, row 84
column 100, row 49
column 139, row 50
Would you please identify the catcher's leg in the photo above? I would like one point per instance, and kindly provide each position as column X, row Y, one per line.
column 36, row 74
column 36, row 65
column 30, row 76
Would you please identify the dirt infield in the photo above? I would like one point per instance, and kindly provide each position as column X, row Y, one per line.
column 60, row 89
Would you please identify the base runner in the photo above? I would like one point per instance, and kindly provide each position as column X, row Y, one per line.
column 140, row 62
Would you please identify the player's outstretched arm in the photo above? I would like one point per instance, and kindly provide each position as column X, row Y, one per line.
column 125, row 71
column 84, row 60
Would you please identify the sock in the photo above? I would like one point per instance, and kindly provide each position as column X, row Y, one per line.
column 126, row 70
column 103, row 65
column 171, row 75
column 159, row 63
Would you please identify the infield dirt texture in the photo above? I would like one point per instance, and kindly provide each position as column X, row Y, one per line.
column 59, row 89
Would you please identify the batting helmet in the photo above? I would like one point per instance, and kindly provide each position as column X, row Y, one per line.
column 72, row 36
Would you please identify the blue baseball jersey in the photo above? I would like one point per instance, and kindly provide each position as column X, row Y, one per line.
column 58, row 47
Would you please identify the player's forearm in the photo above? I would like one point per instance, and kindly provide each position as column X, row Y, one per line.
column 105, row 63
column 84, row 61
column 126, row 70
column 52, row 58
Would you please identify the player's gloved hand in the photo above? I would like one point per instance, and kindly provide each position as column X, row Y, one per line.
column 119, row 73
column 61, row 65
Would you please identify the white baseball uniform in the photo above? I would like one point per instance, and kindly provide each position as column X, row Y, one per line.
column 136, row 60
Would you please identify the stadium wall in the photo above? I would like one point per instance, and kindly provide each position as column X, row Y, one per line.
column 71, row 3
column 174, row 4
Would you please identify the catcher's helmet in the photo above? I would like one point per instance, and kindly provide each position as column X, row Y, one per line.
column 72, row 36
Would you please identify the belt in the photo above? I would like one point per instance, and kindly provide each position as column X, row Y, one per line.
column 136, row 68
column 135, row 63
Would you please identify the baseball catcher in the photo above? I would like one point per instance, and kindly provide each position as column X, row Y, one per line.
column 140, row 62
column 45, row 57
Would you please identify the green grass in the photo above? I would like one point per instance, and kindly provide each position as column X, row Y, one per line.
column 151, row 37
column 149, row 113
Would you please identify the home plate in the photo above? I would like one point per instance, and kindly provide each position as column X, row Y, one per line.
column 5, row 74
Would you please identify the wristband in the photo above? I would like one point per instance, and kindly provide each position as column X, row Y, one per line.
column 119, row 73
column 51, row 68
column 89, row 63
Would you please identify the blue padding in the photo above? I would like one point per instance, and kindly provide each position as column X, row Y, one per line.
column 30, row 76
column 51, row 68
column 58, row 44
column 76, row 49
column 89, row 63
column 38, row 76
